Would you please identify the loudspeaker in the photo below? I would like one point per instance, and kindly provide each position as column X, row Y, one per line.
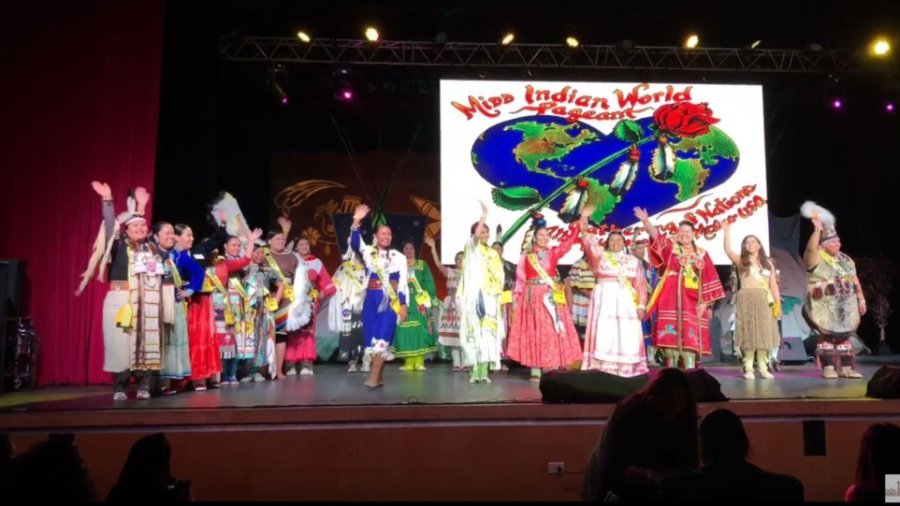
column 4, row 277
column 588, row 387
column 885, row 384
column 596, row 387
column 793, row 349
column 14, row 285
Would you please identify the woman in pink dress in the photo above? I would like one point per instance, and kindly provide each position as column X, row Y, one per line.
column 542, row 334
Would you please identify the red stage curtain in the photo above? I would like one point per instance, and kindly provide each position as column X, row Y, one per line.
column 80, row 95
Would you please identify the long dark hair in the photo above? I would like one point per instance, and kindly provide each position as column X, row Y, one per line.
column 879, row 453
column 745, row 255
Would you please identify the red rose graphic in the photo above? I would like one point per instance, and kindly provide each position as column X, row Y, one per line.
column 684, row 119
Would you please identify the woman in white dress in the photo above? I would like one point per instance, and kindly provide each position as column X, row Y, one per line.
column 614, row 340
column 448, row 331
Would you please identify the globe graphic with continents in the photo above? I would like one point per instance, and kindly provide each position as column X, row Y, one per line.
column 528, row 159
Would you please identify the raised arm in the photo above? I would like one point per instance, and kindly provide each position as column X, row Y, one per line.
column 575, row 230
column 356, row 241
column 642, row 215
column 251, row 241
column 141, row 197
column 285, row 225
column 108, row 210
column 726, row 228
column 481, row 220
column 811, row 255
column 434, row 256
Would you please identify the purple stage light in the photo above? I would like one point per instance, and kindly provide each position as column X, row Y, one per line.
column 284, row 100
column 347, row 94
column 889, row 107
column 836, row 103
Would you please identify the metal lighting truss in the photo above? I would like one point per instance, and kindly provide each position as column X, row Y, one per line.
column 537, row 56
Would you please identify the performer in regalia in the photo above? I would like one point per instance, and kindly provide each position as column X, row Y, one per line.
column 350, row 280
column 448, row 328
column 415, row 339
column 264, row 293
column 757, row 303
column 834, row 298
column 387, row 294
column 478, row 295
column 542, row 335
column 688, row 286
column 132, row 309
column 187, row 279
column 614, row 341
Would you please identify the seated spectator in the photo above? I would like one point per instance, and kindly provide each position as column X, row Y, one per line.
column 145, row 476
column 651, row 434
column 50, row 472
column 7, row 456
column 726, row 474
column 879, row 454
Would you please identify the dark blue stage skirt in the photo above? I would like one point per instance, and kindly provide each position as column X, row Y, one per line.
column 377, row 325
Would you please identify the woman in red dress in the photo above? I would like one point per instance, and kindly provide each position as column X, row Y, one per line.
column 688, row 285
column 542, row 335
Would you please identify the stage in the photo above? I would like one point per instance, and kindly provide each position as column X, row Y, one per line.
column 448, row 439
column 334, row 396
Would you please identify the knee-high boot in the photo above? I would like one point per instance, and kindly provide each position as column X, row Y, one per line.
column 747, row 359
column 762, row 362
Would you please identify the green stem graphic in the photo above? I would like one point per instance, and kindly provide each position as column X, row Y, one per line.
column 568, row 184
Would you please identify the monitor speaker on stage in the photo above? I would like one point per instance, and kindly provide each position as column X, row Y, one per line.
column 4, row 279
column 13, row 287
column 597, row 387
column 588, row 387
column 885, row 384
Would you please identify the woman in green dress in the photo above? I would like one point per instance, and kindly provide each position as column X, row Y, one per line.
column 415, row 337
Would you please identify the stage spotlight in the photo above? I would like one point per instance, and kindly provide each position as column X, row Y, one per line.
column 507, row 39
column 440, row 39
column 837, row 104
column 303, row 36
column 880, row 47
column 344, row 92
column 692, row 41
column 284, row 101
column 371, row 34
column 626, row 44
column 755, row 44
column 572, row 42
column 889, row 107
column 814, row 47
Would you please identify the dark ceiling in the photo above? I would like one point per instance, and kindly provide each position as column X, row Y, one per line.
column 838, row 24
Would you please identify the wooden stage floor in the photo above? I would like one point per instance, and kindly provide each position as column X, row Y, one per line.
column 436, row 395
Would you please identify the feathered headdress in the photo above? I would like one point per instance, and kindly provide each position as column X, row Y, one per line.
column 811, row 210
column 129, row 215
column 234, row 221
column 537, row 222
